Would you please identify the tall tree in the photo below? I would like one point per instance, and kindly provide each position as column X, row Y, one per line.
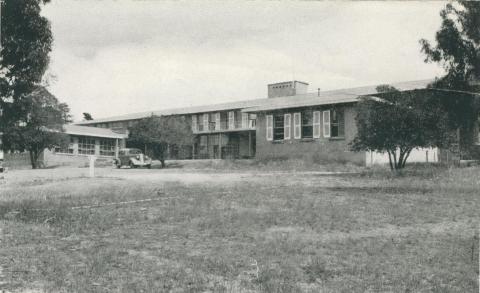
column 41, row 129
column 158, row 133
column 26, row 41
column 457, row 45
column 395, row 123
column 457, row 49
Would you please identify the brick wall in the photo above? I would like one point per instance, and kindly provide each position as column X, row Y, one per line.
column 319, row 149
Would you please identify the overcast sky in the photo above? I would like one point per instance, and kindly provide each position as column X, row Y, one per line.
column 117, row 57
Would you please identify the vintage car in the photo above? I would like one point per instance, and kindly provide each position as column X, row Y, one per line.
column 133, row 158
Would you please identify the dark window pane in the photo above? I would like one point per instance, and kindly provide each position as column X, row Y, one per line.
column 338, row 123
column 307, row 124
column 278, row 124
column 307, row 117
column 307, row 131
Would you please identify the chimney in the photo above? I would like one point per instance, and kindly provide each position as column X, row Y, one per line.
column 287, row 88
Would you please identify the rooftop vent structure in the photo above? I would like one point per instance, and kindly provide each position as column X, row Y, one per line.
column 287, row 88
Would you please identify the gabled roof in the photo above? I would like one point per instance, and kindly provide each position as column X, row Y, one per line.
column 92, row 131
column 257, row 105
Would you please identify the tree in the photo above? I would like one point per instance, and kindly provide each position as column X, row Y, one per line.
column 87, row 116
column 457, row 45
column 43, row 127
column 26, row 41
column 158, row 133
column 457, row 49
column 397, row 122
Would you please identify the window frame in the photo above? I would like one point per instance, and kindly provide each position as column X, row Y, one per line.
column 70, row 149
column 110, row 143
column 231, row 120
column 337, row 123
column 206, row 120
column 194, row 123
column 217, row 121
column 86, row 148
column 244, row 120
column 306, row 129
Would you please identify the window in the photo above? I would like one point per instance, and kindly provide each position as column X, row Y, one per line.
column 223, row 120
column 337, row 123
column 205, row 121
column 107, row 147
column 316, row 124
column 212, row 121
column 214, row 139
column 307, row 124
column 203, row 144
column 217, row 121
column 86, row 146
column 194, row 123
column 68, row 149
column 244, row 120
column 278, row 127
column 199, row 122
column 252, row 121
column 231, row 120
column 287, row 126
column 297, row 124
column 135, row 152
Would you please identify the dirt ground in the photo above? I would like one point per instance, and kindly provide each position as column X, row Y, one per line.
column 14, row 177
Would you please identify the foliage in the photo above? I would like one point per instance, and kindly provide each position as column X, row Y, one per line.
column 28, row 111
column 398, row 122
column 457, row 45
column 457, row 49
column 87, row 116
column 157, row 133
column 26, row 41
column 41, row 129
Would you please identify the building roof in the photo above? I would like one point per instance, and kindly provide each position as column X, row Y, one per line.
column 341, row 96
column 92, row 131
column 180, row 111
column 266, row 104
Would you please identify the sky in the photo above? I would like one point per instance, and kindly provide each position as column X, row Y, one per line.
column 118, row 57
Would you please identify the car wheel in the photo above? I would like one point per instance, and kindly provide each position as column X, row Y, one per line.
column 149, row 166
column 131, row 165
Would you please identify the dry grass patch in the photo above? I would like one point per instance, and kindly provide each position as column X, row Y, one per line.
column 284, row 233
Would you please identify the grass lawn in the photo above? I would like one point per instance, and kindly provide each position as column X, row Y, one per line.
column 263, row 232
